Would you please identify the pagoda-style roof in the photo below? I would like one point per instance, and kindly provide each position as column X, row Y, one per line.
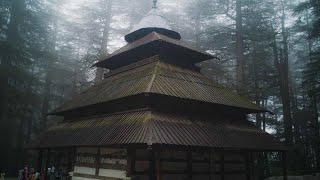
column 152, row 22
column 154, row 44
column 153, row 76
column 148, row 127
column 155, row 95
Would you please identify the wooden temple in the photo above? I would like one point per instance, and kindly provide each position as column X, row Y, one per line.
column 154, row 116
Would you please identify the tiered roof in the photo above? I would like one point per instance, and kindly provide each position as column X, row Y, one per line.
column 158, row 69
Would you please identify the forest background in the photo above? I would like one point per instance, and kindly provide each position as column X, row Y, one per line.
column 268, row 51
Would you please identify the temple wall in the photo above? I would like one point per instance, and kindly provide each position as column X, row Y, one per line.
column 103, row 163
column 173, row 165
column 114, row 164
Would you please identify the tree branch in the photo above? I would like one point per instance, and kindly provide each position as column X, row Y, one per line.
column 227, row 12
column 230, row 16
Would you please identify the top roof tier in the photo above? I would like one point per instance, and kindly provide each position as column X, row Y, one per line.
column 152, row 22
column 153, row 36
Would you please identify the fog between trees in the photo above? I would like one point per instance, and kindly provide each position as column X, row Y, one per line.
column 268, row 51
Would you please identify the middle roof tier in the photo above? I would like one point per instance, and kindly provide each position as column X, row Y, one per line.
column 153, row 76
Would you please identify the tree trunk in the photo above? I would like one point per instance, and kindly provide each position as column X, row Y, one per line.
column 48, row 78
column 239, row 50
column 8, row 55
column 296, row 125
column 105, row 39
column 284, row 87
column 264, row 104
column 314, row 102
column 281, row 64
column 256, row 86
column 46, row 98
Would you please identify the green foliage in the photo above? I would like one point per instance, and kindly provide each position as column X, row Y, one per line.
column 314, row 7
column 27, row 52
column 50, row 56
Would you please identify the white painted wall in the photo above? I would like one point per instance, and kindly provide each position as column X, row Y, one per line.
column 84, row 170
column 81, row 178
column 113, row 173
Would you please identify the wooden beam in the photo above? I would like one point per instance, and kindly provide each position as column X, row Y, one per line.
column 284, row 165
column 194, row 173
column 101, row 155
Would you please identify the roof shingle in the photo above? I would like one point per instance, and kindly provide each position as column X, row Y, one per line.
column 158, row 78
column 147, row 127
column 150, row 45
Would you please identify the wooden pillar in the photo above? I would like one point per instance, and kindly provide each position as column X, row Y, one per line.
column 47, row 165
column 70, row 160
column 284, row 165
column 189, row 166
column 252, row 165
column 74, row 157
column 97, row 162
column 152, row 164
column 158, row 166
column 58, row 157
column 131, row 162
column 248, row 165
column 39, row 161
column 222, row 165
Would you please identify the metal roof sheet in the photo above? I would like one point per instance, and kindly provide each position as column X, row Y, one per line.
column 147, row 127
column 152, row 21
column 158, row 78
column 152, row 44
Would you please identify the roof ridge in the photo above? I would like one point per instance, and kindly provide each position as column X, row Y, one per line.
column 154, row 75
column 150, row 128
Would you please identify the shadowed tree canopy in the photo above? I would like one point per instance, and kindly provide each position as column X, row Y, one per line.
column 267, row 51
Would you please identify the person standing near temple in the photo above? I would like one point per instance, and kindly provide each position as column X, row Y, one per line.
column 2, row 175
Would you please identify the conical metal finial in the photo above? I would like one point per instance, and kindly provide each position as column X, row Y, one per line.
column 153, row 21
column 155, row 4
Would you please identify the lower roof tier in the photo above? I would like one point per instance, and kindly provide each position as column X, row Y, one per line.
column 153, row 76
column 149, row 127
